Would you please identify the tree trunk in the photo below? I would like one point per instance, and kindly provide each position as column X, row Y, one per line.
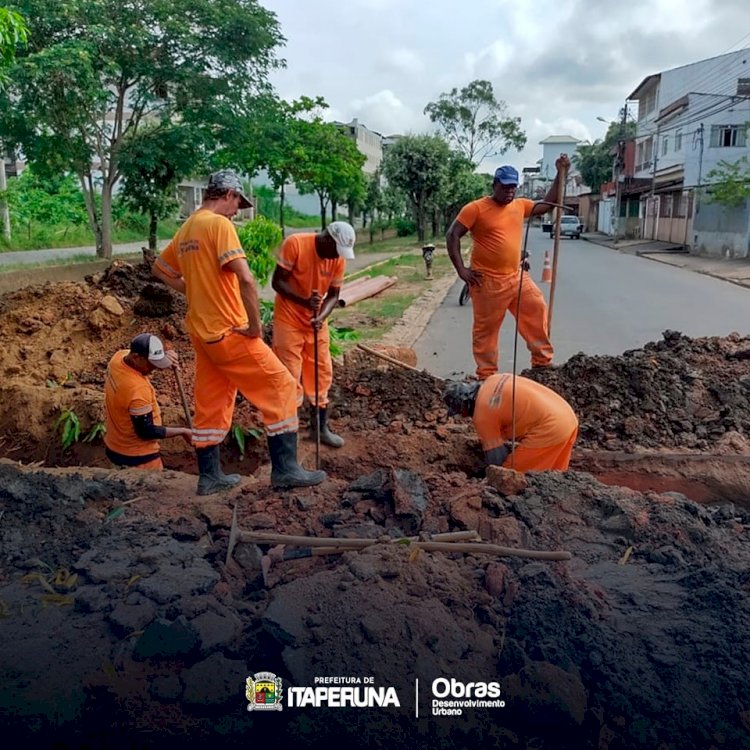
column 106, row 238
column 281, row 208
column 4, row 208
column 435, row 222
column 153, row 223
column 323, row 221
column 420, row 219
column 87, row 188
column 334, row 208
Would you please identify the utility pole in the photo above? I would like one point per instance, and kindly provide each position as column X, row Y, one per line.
column 620, row 164
column 699, row 133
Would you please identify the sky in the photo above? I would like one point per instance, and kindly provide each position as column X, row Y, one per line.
column 557, row 64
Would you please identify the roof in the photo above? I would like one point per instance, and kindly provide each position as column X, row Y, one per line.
column 561, row 139
column 645, row 83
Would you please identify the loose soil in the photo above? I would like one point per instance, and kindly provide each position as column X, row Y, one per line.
column 123, row 623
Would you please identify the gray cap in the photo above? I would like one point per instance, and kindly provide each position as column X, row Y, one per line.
column 227, row 179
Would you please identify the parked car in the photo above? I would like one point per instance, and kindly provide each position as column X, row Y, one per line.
column 570, row 226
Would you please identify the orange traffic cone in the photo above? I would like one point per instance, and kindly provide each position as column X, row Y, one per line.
column 547, row 268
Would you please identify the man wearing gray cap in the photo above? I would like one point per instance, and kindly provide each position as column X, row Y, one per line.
column 206, row 262
column 307, row 280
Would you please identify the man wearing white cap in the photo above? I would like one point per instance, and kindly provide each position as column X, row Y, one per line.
column 307, row 280
column 133, row 418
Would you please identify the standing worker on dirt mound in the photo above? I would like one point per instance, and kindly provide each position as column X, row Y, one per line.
column 206, row 262
column 496, row 226
column 133, row 418
column 546, row 426
column 307, row 280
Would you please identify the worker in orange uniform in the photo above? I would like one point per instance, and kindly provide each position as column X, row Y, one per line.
column 206, row 262
column 133, row 418
column 546, row 427
column 307, row 280
column 496, row 226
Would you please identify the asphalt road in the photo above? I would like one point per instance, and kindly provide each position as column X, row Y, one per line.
column 605, row 303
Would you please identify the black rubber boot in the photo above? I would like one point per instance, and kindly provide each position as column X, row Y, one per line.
column 212, row 479
column 285, row 471
column 326, row 436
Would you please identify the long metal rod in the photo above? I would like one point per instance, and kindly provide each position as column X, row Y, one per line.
column 316, row 363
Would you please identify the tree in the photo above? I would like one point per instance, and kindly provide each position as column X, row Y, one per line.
column 730, row 183
column 95, row 71
column 417, row 165
column 331, row 167
column 464, row 186
column 152, row 163
column 475, row 123
column 597, row 161
column 13, row 32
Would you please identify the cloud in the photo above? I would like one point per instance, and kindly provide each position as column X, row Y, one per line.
column 386, row 113
column 404, row 61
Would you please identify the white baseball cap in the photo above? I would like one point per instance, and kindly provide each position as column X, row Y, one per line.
column 344, row 236
column 150, row 347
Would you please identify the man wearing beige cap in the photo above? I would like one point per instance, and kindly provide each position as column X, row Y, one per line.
column 133, row 418
column 308, row 276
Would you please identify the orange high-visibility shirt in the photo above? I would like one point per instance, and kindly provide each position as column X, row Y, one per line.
column 204, row 244
column 308, row 271
column 543, row 417
column 496, row 232
column 126, row 393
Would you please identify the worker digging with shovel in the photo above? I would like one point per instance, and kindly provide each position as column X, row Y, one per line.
column 307, row 280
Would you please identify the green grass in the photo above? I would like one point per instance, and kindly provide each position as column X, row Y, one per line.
column 54, row 237
column 69, row 261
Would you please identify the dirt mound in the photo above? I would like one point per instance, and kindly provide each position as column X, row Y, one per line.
column 630, row 644
column 678, row 392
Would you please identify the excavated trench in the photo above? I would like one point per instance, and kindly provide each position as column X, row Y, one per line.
column 124, row 623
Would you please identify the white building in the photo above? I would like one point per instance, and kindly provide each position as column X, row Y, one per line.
column 689, row 119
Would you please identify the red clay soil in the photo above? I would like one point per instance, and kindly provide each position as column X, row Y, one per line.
column 122, row 623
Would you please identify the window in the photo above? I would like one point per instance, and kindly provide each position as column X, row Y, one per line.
column 728, row 136
column 743, row 87
column 678, row 140
column 647, row 104
column 665, row 145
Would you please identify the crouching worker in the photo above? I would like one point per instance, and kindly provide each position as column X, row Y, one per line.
column 133, row 418
column 307, row 280
column 546, row 426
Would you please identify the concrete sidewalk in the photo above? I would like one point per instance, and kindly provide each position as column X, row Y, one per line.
column 735, row 271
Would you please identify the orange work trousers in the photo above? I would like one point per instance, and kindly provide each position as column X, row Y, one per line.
column 294, row 345
column 555, row 457
column 234, row 363
column 155, row 464
column 490, row 300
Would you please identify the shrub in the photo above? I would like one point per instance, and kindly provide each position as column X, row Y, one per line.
column 259, row 239
column 404, row 227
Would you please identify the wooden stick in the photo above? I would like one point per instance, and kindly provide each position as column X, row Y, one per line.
column 562, row 179
column 391, row 360
column 259, row 537
column 181, row 389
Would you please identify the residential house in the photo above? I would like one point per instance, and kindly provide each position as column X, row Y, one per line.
column 689, row 119
column 552, row 147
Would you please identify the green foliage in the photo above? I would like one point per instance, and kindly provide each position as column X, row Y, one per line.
column 475, row 123
column 240, row 435
column 267, row 204
column 259, row 239
column 35, row 202
column 152, row 162
column 95, row 72
column 98, row 430
column 338, row 336
column 332, row 166
column 266, row 312
column 597, row 161
column 730, row 183
column 13, row 33
column 70, row 428
column 404, row 227
column 417, row 165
